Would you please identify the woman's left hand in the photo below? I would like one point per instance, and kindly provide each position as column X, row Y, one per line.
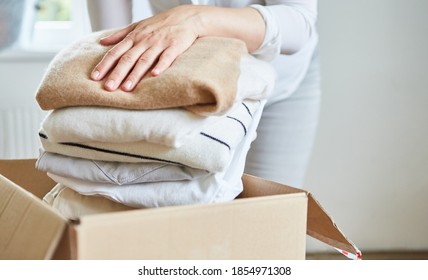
column 151, row 43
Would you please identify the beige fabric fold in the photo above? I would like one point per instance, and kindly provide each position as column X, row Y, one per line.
column 203, row 79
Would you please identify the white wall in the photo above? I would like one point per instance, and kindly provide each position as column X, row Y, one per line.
column 20, row 116
column 370, row 162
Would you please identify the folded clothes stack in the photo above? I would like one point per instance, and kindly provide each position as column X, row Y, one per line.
column 179, row 138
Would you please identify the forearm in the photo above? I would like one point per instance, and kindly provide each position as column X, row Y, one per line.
column 245, row 24
column 281, row 27
column 157, row 41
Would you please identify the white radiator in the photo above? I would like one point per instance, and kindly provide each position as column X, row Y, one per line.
column 19, row 128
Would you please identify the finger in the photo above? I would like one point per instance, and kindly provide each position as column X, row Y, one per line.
column 123, row 67
column 111, row 58
column 165, row 61
column 144, row 63
column 117, row 36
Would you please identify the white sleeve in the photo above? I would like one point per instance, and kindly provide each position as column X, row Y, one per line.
column 100, row 13
column 289, row 25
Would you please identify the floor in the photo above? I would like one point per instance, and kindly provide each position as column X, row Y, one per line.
column 423, row 255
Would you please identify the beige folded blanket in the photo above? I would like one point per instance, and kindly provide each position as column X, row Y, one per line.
column 203, row 79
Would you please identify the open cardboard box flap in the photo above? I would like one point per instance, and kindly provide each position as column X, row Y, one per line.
column 319, row 224
column 34, row 230
column 28, row 229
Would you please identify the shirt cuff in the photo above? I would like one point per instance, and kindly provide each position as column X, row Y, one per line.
column 271, row 45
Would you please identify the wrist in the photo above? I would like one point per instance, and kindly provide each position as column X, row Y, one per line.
column 240, row 23
column 203, row 20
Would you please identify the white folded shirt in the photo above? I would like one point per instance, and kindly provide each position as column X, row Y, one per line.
column 210, row 149
column 73, row 205
column 214, row 187
column 172, row 127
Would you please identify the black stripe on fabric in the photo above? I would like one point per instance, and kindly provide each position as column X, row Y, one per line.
column 216, row 139
column 113, row 152
column 42, row 135
column 248, row 110
column 243, row 126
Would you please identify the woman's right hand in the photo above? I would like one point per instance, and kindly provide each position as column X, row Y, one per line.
column 151, row 43
column 155, row 43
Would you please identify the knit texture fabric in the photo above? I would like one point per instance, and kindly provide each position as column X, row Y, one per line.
column 203, row 79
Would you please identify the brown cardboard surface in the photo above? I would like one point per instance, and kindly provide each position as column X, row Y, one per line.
column 23, row 173
column 63, row 250
column 268, row 221
column 319, row 224
column 256, row 186
column 260, row 228
column 322, row 227
column 28, row 229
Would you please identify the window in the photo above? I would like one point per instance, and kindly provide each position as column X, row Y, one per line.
column 53, row 10
column 49, row 25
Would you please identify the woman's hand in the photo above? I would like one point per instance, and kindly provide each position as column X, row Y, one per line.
column 155, row 42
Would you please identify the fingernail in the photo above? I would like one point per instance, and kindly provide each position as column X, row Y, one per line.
column 155, row 72
column 95, row 74
column 110, row 84
column 128, row 85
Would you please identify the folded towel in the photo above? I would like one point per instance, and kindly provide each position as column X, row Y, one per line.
column 171, row 127
column 211, row 149
column 202, row 79
column 118, row 173
column 214, row 187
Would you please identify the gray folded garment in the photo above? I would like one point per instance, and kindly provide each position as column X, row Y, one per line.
column 117, row 173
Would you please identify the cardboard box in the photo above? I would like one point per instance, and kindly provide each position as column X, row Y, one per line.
column 267, row 221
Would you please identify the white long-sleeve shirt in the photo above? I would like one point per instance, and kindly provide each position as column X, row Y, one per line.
column 290, row 37
column 289, row 23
